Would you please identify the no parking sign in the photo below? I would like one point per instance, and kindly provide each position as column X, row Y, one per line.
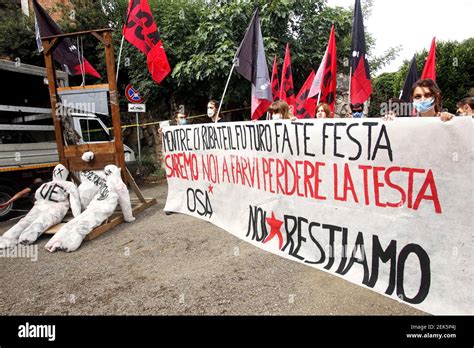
column 132, row 95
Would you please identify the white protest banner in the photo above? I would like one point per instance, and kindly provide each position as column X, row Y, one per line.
column 385, row 205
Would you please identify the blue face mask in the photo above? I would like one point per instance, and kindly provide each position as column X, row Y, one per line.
column 424, row 106
column 182, row 121
column 358, row 114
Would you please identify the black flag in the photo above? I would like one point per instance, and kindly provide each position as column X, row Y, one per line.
column 361, row 87
column 65, row 52
column 411, row 78
column 252, row 65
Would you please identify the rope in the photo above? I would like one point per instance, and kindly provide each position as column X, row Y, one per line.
column 80, row 58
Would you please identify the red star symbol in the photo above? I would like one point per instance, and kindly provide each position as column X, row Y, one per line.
column 210, row 187
column 275, row 226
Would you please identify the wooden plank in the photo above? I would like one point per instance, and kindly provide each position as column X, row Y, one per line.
column 101, row 39
column 77, row 33
column 48, row 49
column 134, row 186
column 114, row 100
column 114, row 220
column 104, row 228
column 98, row 163
column 98, row 148
column 53, row 96
column 55, row 228
column 78, row 88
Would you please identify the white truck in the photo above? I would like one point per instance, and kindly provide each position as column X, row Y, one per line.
column 27, row 141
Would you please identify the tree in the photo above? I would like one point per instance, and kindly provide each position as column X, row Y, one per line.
column 454, row 70
column 200, row 38
column 384, row 87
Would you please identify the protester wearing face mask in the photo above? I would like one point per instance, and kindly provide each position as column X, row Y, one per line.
column 357, row 110
column 426, row 98
column 279, row 110
column 180, row 119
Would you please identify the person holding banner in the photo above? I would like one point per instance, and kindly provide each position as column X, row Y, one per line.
column 357, row 110
column 212, row 109
column 280, row 110
column 180, row 118
column 426, row 98
column 323, row 111
column 466, row 106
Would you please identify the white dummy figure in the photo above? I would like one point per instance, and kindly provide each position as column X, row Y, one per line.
column 71, row 235
column 52, row 201
column 92, row 182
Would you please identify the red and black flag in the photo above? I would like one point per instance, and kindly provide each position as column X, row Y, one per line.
column 65, row 53
column 410, row 79
column 252, row 65
column 306, row 107
column 324, row 83
column 287, row 92
column 275, row 81
column 361, row 87
column 429, row 71
column 141, row 31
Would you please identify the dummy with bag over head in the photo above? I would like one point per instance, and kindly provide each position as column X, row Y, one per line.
column 52, row 202
column 114, row 192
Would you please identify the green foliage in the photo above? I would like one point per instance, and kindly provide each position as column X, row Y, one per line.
column 17, row 39
column 200, row 38
column 454, row 74
column 384, row 87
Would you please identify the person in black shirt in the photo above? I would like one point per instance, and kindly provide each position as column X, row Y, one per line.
column 212, row 108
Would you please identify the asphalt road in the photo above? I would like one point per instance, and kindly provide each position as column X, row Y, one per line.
column 173, row 265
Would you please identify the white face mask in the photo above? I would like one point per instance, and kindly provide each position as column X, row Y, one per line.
column 210, row 112
column 276, row 117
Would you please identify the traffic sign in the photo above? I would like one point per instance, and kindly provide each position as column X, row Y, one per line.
column 132, row 95
column 136, row 107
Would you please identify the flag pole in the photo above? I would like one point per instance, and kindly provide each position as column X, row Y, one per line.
column 121, row 44
column 319, row 96
column 350, row 78
column 119, row 56
column 225, row 90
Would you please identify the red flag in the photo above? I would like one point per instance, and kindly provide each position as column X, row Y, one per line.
column 324, row 83
column 361, row 87
column 429, row 71
column 287, row 92
column 275, row 80
column 306, row 107
column 141, row 31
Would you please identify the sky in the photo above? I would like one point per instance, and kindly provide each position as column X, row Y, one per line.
column 413, row 23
